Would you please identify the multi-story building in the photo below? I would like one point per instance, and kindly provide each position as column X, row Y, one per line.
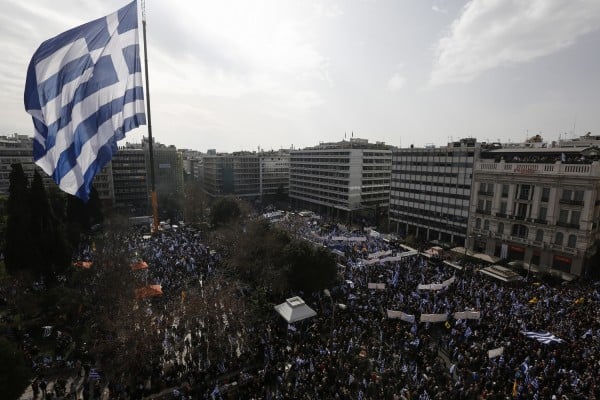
column 274, row 173
column 430, row 191
column 18, row 149
column 131, row 176
column 248, row 175
column 15, row 149
column 538, row 204
column 341, row 179
column 130, row 179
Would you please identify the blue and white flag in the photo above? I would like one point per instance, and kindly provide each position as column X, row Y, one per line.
column 84, row 92
column 543, row 337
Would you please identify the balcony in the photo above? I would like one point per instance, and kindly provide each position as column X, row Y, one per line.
column 567, row 225
column 571, row 202
column 540, row 221
column 485, row 193
column 483, row 211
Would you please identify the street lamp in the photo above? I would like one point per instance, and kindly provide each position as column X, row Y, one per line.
column 327, row 293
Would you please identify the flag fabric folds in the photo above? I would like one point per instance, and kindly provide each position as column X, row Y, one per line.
column 84, row 92
column 543, row 337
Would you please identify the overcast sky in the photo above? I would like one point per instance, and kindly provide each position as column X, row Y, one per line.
column 237, row 74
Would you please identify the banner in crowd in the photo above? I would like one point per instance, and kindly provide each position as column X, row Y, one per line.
column 377, row 286
column 436, row 286
column 380, row 254
column 431, row 286
column 467, row 315
column 449, row 281
column 393, row 314
column 495, row 352
column 349, row 239
column 434, row 317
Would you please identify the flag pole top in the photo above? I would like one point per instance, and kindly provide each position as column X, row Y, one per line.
column 143, row 6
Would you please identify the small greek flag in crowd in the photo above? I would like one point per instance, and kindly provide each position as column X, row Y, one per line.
column 84, row 92
column 543, row 337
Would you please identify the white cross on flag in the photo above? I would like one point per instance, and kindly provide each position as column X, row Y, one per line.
column 84, row 92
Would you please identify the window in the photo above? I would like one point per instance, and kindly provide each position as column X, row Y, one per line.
column 558, row 239
column 545, row 194
column 504, row 190
column 486, row 225
column 503, row 208
column 566, row 194
column 524, row 192
column 478, row 223
column 543, row 213
column 575, row 215
column 519, row 230
column 500, row 228
column 539, row 235
column 563, row 216
column 521, row 210
column 579, row 195
column 572, row 242
column 480, row 204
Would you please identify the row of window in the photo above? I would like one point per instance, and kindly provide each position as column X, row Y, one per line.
column 525, row 192
column 522, row 231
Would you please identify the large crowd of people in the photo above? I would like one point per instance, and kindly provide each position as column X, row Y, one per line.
column 531, row 340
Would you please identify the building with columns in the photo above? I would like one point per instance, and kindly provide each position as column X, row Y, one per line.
column 538, row 205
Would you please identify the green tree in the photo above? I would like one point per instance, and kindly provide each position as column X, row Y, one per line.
column 257, row 256
column 50, row 250
column 194, row 202
column 14, row 373
column 82, row 216
column 310, row 268
column 18, row 238
column 224, row 210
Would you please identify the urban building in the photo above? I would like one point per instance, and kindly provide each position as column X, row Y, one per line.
column 131, row 176
column 18, row 149
column 538, row 205
column 131, row 179
column 343, row 179
column 248, row 175
column 274, row 177
column 430, row 191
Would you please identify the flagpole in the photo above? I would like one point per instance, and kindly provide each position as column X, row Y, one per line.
column 150, row 140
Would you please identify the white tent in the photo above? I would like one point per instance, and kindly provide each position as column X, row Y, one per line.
column 294, row 309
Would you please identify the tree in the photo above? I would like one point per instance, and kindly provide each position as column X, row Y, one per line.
column 224, row 210
column 14, row 372
column 194, row 202
column 310, row 268
column 257, row 256
column 50, row 251
column 82, row 216
column 18, row 238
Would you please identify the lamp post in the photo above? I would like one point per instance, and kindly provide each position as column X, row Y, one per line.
column 327, row 293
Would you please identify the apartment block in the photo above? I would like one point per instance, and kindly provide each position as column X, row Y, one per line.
column 430, row 191
column 343, row 178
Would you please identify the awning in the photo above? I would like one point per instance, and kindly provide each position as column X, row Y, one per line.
column 138, row 265
column 294, row 309
column 148, row 291
column 83, row 264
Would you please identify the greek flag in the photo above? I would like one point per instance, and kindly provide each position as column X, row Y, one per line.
column 543, row 337
column 84, row 92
